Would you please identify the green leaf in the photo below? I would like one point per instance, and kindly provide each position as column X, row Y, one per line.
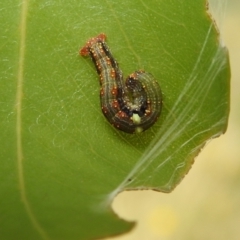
column 61, row 162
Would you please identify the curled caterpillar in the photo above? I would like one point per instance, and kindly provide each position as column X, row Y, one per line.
column 131, row 106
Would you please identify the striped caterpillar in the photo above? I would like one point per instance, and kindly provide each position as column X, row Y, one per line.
column 131, row 106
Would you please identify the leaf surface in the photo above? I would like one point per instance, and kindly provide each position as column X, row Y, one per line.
column 61, row 162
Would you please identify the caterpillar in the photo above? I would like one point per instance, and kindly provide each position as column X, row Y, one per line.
column 132, row 106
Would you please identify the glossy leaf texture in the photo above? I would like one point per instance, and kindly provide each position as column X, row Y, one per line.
column 61, row 162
